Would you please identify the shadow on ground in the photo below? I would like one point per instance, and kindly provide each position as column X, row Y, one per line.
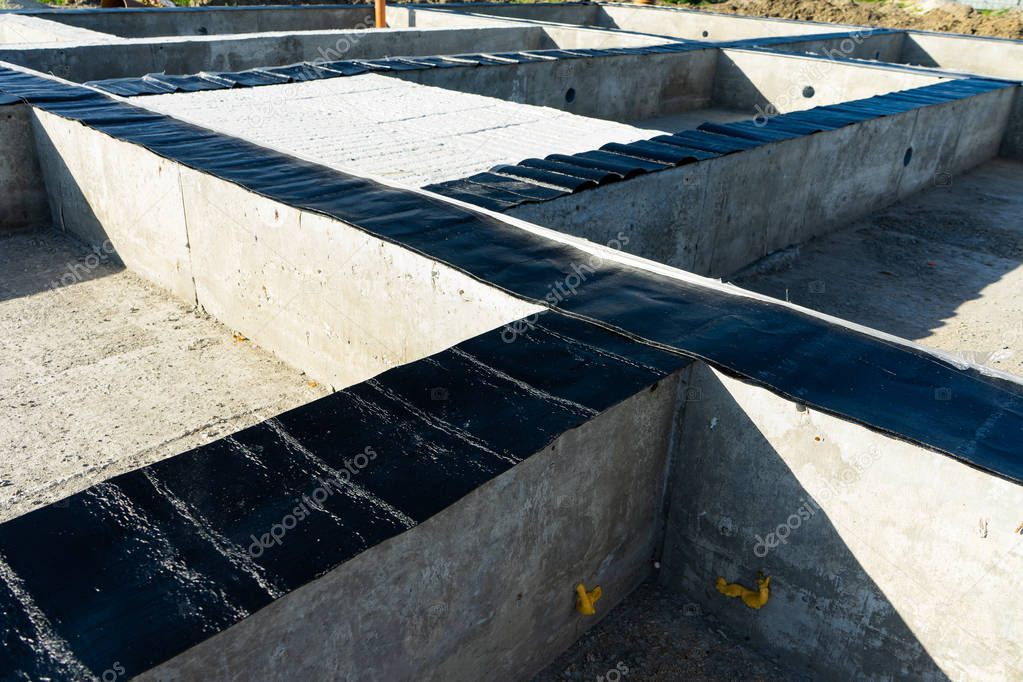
column 942, row 268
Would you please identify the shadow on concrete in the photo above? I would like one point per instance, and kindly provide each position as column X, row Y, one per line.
column 826, row 617
column 36, row 262
column 921, row 267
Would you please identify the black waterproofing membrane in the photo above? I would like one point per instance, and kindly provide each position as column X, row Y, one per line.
column 568, row 174
column 415, row 437
column 139, row 568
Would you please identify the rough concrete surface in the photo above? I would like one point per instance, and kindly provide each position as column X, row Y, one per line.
column 941, row 268
column 108, row 373
column 390, row 128
column 888, row 561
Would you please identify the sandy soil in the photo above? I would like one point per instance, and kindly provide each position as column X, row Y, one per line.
column 950, row 18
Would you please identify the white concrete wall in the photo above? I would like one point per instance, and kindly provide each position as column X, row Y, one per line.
column 623, row 88
column 180, row 21
column 756, row 81
column 971, row 54
column 897, row 562
column 719, row 215
column 699, row 25
column 102, row 189
column 321, row 295
column 117, row 58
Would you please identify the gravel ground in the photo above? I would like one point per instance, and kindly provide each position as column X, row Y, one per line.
column 656, row 636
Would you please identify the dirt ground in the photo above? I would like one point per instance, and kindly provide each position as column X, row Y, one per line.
column 654, row 636
column 950, row 17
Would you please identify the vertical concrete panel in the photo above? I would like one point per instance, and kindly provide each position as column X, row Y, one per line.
column 115, row 194
column 660, row 215
column 776, row 83
column 619, row 88
column 325, row 297
column 888, row 561
column 847, row 173
column 484, row 589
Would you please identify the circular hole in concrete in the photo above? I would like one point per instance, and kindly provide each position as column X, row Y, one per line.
column 809, row 92
column 705, row 34
column 570, row 95
column 907, row 157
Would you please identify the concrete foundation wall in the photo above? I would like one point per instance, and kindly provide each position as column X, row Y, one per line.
column 187, row 21
column 622, row 88
column 696, row 25
column 717, row 216
column 760, row 82
column 883, row 47
column 215, row 53
column 983, row 56
column 321, row 295
column 101, row 189
column 23, row 201
column 484, row 589
column 425, row 16
column 583, row 14
column 887, row 561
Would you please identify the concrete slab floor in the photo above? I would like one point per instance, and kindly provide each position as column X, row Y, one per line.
column 103, row 373
column 390, row 128
column 944, row 268
column 657, row 636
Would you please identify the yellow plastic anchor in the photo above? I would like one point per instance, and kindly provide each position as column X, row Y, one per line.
column 585, row 602
column 753, row 599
